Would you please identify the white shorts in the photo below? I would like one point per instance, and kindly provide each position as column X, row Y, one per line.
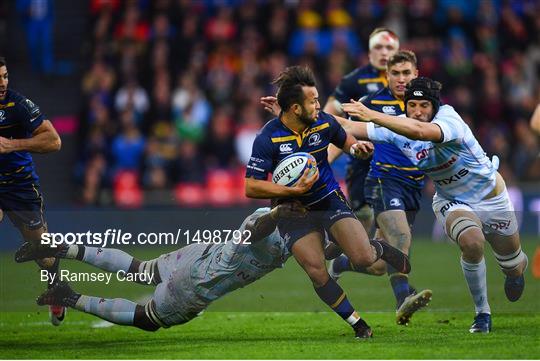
column 176, row 300
column 496, row 214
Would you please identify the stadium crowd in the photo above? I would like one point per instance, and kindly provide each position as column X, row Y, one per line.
column 172, row 88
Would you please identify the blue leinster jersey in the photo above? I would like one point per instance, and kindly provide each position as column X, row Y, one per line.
column 360, row 82
column 388, row 161
column 276, row 141
column 19, row 118
column 355, row 85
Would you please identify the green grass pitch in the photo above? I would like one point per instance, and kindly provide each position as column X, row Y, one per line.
column 281, row 317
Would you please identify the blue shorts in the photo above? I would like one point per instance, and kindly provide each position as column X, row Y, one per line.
column 385, row 194
column 24, row 206
column 320, row 217
column 355, row 179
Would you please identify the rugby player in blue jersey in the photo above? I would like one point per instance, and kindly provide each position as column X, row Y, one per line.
column 393, row 189
column 383, row 43
column 24, row 130
column 471, row 200
column 302, row 127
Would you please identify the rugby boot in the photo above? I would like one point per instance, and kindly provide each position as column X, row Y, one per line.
column 481, row 324
column 411, row 304
column 362, row 330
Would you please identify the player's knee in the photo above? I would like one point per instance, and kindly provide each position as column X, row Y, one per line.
column 471, row 246
column 317, row 273
column 143, row 321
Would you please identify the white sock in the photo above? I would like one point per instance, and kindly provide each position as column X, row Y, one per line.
column 115, row 310
column 475, row 275
column 107, row 259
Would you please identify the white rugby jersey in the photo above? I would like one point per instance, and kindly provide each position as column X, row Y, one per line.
column 458, row 166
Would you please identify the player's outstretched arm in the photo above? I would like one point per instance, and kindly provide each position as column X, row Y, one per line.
column 44, row 139
column 256, row 188
column 262, row 226
column 408, row 127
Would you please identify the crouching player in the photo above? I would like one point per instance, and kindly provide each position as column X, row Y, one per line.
column 471, row 199
column 187, row 280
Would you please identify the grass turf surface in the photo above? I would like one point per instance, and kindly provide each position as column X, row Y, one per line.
column 281, row 317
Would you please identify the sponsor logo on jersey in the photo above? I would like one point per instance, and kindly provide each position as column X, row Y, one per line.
column 389, row 109
column 453, row 178
column 443, row 166
column 423, row 153
column 418, row 93
column 2, row 116
column 314, row 140
column 449, row 205
column 372, row 87
column 395, row 202
column 256, row 160
column 285, row 148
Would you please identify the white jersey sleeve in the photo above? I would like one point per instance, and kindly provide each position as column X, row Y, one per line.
column 451, row 124
column 379, row 134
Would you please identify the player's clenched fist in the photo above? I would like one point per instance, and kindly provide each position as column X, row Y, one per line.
column 362, row 149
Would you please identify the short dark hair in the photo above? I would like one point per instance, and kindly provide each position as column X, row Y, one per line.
column 290, row 83
column 401, row 57
column 3, row 61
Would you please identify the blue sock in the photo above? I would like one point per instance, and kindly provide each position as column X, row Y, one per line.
column 334, row 296
column 400, row 284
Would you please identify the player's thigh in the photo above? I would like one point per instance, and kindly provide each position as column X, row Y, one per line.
column 183, row 257
column 504, row 244
column 175, row 301
column 394, row 225
column 308, row 252
column 465, row 228
column 24, row 207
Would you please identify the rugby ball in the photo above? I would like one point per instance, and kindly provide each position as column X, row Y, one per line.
column 291, row 168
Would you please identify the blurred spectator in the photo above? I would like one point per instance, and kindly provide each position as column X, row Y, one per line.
column 37, row 16
column 184, row 77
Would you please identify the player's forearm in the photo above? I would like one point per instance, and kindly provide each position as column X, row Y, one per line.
column 356, row 129
column 408, row 127
column 263, row 225
column 41, row 143
column 333, row 153
column 256, row 188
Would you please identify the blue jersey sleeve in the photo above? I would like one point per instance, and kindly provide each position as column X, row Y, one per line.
column 260, row 163
column 29, row 115
column 338, row 136
column 347, row 89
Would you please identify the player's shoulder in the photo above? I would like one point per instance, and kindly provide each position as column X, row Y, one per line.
column 22, row 102
column 447, row 113
column 270, row 127
column 381, row 94
column 361, row 72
